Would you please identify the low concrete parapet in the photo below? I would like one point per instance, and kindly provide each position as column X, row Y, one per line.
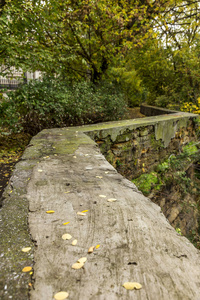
column 63, row 171
column 137, row 146
column 149, row 110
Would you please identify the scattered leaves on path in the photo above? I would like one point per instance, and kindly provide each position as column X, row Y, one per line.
column 26, row 269
column 112, row 200
column 82, row 260
column 27, row 249
column 132, row 285
column 66, row 236
column 81, row 213
column 50, row 211
column 66, row 223
column 84, row 211
column 74, row 242
column 77, row 266
column 91, row 249
column 61, row 295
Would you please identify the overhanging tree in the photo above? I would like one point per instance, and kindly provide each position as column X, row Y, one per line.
column 75, row 38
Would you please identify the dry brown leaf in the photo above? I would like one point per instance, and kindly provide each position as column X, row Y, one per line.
column 27, row 249
column 74, row 242
column 77, row 266
column 26, row 269
column 132, row 285
column 112, row 200
column 91, row 249
column 50, row 211
column 61, row 296
column 81, row 213
column 82, row 260
column 66, row 236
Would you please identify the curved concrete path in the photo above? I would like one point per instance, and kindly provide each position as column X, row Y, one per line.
column 63, row 170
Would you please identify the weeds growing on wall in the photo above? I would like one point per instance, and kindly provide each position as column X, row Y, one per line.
column 174, row 169
column 176, row 182
column 56, row 103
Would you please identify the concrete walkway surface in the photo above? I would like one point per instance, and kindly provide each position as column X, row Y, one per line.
column 63, row 171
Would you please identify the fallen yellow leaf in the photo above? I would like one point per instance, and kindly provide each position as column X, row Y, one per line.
column 81, row 213
column 67, row 192
column 82, row 260
column 61, row 296
column 102, row 196
column 97, row 246
column 99, row 176
column 132, row 285
column 30, row 284
column 84, row 211
column 91, row 249
column 66, row 223
column 112, row 200
column 66, row 236
column 26, row 249
column 74, row 242
column 26, row 269
column 77, row 266
column 40, row 170
column 50, row 211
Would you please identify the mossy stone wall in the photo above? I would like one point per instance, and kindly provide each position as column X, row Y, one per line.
column 137, row 147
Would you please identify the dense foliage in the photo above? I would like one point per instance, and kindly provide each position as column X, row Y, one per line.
column 80, row 39
column 56, row 103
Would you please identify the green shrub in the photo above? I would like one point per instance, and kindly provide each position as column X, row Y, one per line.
column 146, row 182
column 55, row 103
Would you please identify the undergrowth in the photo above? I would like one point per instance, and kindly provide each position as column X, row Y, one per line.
column 53, row 102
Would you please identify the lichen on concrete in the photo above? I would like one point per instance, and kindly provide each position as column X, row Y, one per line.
column 166, row 130
column 70, row 162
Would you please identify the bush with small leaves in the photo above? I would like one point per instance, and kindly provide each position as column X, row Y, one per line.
column 52, row 102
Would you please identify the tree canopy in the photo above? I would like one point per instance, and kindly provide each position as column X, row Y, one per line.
column 77, row 38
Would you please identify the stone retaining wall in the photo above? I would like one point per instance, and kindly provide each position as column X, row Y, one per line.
column 136, row 146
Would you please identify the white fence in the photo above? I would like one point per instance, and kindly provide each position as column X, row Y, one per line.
column 15, row 77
